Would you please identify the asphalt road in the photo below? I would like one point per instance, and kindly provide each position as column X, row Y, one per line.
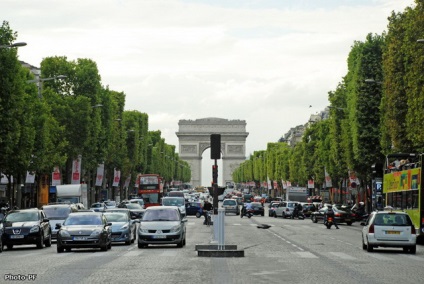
column 290, row 251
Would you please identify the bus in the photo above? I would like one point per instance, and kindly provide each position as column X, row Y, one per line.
column 403, row 185
column 151, row 189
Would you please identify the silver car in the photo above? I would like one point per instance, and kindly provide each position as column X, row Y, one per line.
column 231, row 206
column 162, row 225
column 389, row 229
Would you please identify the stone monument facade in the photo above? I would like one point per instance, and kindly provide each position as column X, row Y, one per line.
column 194, row 139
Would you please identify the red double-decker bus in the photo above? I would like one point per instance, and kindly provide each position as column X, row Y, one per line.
column 150, row 189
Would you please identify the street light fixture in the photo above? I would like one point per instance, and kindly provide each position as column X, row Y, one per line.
column 98, row 105
column 421, row 40
column 39, row 80
column 16, row 44
column 372, row 81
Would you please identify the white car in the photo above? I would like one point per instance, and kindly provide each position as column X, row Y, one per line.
column 389, row 229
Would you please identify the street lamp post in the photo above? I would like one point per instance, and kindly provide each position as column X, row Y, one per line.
column 16, row 44
column 40, row 80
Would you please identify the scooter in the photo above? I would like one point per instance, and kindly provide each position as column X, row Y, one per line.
column 298, row 214
column 248, row 213
column 329, row 222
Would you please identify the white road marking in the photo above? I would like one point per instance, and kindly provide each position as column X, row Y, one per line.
column 342, row 255
column 305, row 254
column 379, row 256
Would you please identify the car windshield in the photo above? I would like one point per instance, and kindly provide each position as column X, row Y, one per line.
column 161, row 215
column 116, row 217
column 173, row 202
column 133, row 206
column 57, row 213
column 229, row 202
column 83, row 220
column 110, row 203
column 21, row 217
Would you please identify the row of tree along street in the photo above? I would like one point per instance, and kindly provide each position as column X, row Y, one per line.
column 74, row 115
column 376, row 109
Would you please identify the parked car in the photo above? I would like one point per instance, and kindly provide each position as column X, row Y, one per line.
column 258, row 208
column 308, row 209
column 123, row 227
column 194, row 208
column 175, row 201
column 341, row 216
column 271, row 208
column 285, row 209
column 162, row 225
column 26, row 226
column 389, row 229
column 57, row 213
column 84, row 230
column 231, row 206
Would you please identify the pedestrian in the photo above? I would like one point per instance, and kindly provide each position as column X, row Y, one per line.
column 206, row 207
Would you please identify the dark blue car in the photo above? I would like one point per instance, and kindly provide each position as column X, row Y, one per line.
column 194, row 208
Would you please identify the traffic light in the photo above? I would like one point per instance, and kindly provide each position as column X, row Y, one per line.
column 377, row 169
column 215, row 146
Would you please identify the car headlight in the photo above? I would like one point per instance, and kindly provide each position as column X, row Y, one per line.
column 95, row 233
column 175, row 229
column 143, row 230
column 64, row 234
column 34, row 229
column 125, row 227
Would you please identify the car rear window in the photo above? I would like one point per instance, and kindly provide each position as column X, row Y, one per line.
column 392, row 220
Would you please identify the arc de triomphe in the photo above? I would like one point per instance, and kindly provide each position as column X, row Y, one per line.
column 194, row 139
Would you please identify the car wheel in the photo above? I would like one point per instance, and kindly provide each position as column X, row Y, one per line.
column 9, row 247
column 1, row 248
column 128, row 242
column 40, row 242
column 349, row 223
column 59, row 249
column 314, row 219
column 413, row 249
column 198, row 215
column 364, row 246
column 140, row 246
column 184, row 242
column 180, row 244
column 369, row 248
column 262, row 214
column 109, row 246
column 68, row 249
column 48, row 242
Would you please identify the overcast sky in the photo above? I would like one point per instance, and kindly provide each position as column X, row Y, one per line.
column 263, row 61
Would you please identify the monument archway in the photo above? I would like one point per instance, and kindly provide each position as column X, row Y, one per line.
column 194, row 139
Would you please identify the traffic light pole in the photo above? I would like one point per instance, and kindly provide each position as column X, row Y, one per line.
column 215, row 187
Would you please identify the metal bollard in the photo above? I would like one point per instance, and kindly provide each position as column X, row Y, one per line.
column 221, row 228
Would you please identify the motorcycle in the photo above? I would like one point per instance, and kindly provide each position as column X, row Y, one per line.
column 298, row 214
column 248, row 213
column 329, row 222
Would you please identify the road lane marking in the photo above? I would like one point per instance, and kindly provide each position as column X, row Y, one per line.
column 379, row 256
column 304, row 254
column 133, row 253
column 342, row 255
